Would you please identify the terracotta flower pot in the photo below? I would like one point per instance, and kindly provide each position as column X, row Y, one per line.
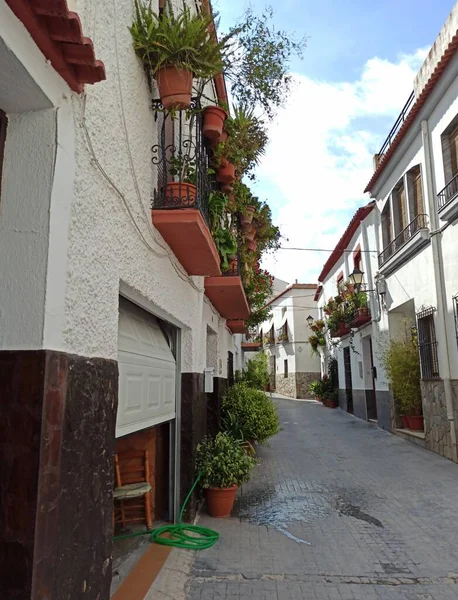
column 220, row 501
column 405, row 422
column 180, row 194
column 175, row 87
column 415, row 423
column 233, row 267
column 246, row 225
column 213, row 124
column 226, row 173
column 223, row 137
column 226, row 188
column 249, row 235
column 252, row 246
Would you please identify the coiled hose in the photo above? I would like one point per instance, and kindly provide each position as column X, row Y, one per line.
column 190, row 537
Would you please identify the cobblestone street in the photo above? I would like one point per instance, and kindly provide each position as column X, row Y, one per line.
column 338, row 509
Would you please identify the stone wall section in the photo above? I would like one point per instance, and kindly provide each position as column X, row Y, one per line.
column 437, row 429
column 303, row 381
column 286, row 385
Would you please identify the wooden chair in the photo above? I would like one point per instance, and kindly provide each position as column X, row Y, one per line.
column 132, row 481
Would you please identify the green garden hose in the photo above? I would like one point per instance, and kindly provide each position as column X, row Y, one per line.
column 190, row 537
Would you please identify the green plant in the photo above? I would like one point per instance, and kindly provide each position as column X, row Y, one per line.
column 260, row 70
column 323, row 388
column 217, row 205
column 316, row 388
column 256, row 372
column 402, row 365
column 183, row 168
column 254, row 410
column 184, row 41
column 222, row 462
column 226, row 245
column 317, row 340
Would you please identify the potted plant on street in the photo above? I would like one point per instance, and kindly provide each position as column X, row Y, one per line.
column 316, row 389
column 223, row 465
column 402, row 365
column 176, row 48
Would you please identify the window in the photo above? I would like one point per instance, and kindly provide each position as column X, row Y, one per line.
column 449, row 141
column 387, row 233
column 3, row 124
column 286, row 368
column 400, row 207
column 427, row 344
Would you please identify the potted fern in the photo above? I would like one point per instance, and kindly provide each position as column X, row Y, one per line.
column 176, row 49
column 223, row 465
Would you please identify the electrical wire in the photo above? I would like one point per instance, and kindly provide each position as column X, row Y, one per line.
column 324, row 250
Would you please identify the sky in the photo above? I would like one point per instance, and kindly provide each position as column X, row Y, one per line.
column 356, row 75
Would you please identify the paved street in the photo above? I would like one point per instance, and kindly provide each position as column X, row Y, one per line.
column 338, row 510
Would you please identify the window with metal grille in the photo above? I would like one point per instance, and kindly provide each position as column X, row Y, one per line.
column 3, row 124
column 427, row 344
column 286, row 368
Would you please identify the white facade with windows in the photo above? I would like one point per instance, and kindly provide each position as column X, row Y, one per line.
column 292, row 365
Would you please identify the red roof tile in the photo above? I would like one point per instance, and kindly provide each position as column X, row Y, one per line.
column 58, row 33
column 352, row 228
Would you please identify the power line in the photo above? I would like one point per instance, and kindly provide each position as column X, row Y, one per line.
column 324, row 250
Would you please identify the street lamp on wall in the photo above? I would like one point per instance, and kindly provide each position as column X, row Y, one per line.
column 356, row 277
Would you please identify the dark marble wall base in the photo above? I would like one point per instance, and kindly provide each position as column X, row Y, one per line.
column 57, row 435
column 193, row 430
column 220, row 387
column 371, row 405
column 343, row 400
column 384, row 410
column 359, row 404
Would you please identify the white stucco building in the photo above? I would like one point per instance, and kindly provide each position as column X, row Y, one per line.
column 292, row 365
column 105, row 329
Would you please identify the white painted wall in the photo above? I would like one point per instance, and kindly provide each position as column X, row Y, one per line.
column 87, row 194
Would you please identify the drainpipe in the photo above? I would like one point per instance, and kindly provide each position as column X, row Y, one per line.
column 439, row 277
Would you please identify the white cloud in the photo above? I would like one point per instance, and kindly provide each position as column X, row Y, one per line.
column 320, row 156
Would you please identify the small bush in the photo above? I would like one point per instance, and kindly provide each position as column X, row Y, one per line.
column 402, row 365
column 222, row 462
column 256, row 374
column 249, row 414
column 323, row 388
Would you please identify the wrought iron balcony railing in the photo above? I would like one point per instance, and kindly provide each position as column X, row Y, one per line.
column 397, row 126
column 420, row 222
column 448, row 193
column 184, row 177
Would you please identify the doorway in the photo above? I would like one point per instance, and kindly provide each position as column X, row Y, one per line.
column 348, row 380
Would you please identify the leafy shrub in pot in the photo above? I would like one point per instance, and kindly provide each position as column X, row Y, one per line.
column 223, row 465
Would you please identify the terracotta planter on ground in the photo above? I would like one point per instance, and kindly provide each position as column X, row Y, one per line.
column 180, row 194
column 226, row 173
column 415, row 423
column 405, row 422
column 214, row 118
column 175, row 87
column 220, row 501
column 330, row 403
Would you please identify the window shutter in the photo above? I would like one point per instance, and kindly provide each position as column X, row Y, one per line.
column 418, row 193
column 402, row 203
column 453, row 144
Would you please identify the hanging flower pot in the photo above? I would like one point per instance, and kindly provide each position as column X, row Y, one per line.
column 226, row 172
column 252, row 246
column 223, row 137
column 246, row 225
column 213, row 124
column 226, row 188
column 175, row 87
column 178, row 194
column 220, row 501
column 249, row 235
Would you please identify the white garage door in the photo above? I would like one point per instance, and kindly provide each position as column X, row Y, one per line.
column 146, row 372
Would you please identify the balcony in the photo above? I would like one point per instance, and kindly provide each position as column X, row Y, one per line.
column 236, row 326
column 252, row 341
column 179, row 207
column 395, row 129
column 341, row 331
column 411, row 239
column 447, row 201
column 227, row 295
column 362, row 316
